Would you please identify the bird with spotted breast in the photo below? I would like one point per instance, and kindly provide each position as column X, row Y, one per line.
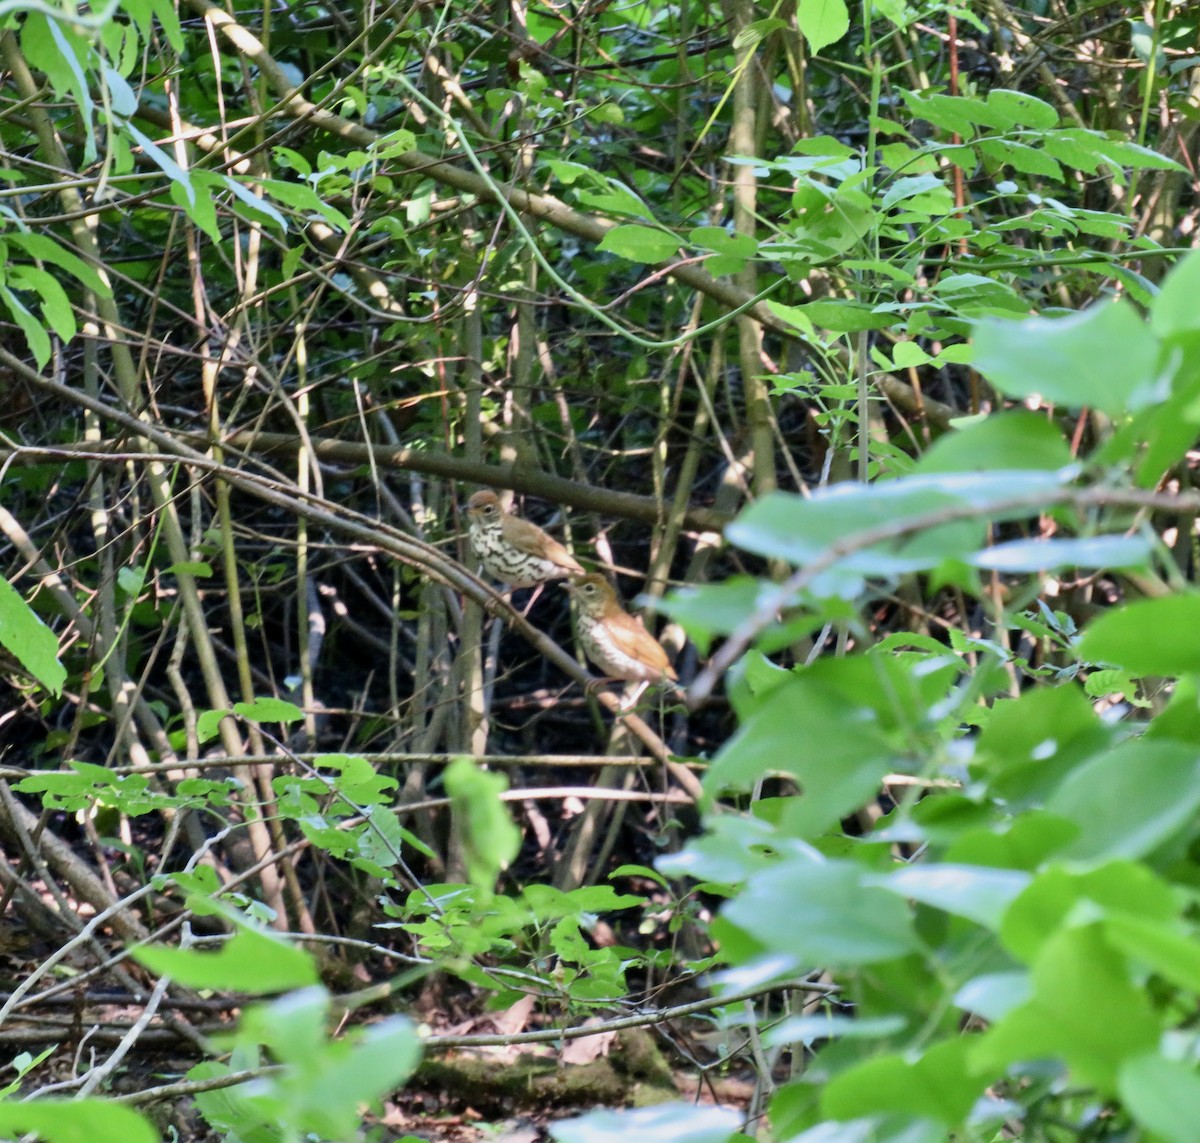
column 616, row 642
column 513, row 550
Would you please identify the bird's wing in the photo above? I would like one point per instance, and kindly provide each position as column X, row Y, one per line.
column 634, row 640
column 529, row 538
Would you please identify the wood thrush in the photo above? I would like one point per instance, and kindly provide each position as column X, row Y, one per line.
column 513, row 550
column 613, row 639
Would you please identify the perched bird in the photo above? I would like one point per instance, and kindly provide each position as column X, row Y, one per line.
column 513, row 550
column 612, row 638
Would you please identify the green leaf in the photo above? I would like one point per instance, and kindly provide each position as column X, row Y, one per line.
column 874, row 1129
column 814, row 912
column 810, row 707
column 1013, row 439
column 823, row 22
column 846, row 317
column 1147, row 637
column 1018, row 108
column 208, row 724
column 911, row 186
column 352, row 1073
column 1174, row 310
column 1047, row 555
column 30, row 640
column 46, row 249
column 715, row 609
column 807, row 1030
column 490, row 838
column 980, row 894
column 76, row 1121
column 640, row 243
column 1117, row 888
column 1027, row 160
column 164, row 162
column 269, row 710
column 250, row 961
column 753, row 34
column 664, row 1123
column 243, row 194
column 789, row 527
column 994, row 994
column 1162, row 1095
column 35, row 334
column 1130, row 799
column 1105, row 357
column 54, row 303
column 938, row 1085
column 1158, row 945
column 1085, row 1011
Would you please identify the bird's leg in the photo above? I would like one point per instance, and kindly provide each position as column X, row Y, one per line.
column 594, row 686
column 496, row 599
column 537, row 591
column 629, row 701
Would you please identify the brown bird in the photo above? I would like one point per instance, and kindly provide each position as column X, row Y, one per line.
column 613, row 639
column 513, row 550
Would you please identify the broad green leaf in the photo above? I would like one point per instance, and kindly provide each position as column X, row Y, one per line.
column 489, row 837
column 994, row 994
column 31, row 327
column 822, row 22
column 1161, row 946
column 845, row 317
column 822, row 913
column 250, row 961
column 209, row 722
column 1027, row 160
column 614, row 197
column 785, row 526
column 874, row 1129
column 227, row 1110
column 301, row 196
column 1017, row 107
column 906, row 188
column 732, row 850
column 640, row 243
column 1147, row 637
column 1118, row 888
column 54, row 303
column 945, row 111
column 665, row 1123
column 1047, row 555
column 807, row 1030
column 1105, row 357
column 1162, row 1095
column 973, row 891
column 76, row 1121
column 716, row 609
column 330, row 1093
column 46, row 249
column 838, row 778
column 1174, row 310
column 938, row 1085
column 753, row 34
column 30, row 640
column 1086, row 1010
column 269, row 710
column 242, row 193
column 1131, row 799
column 1013, row 439
column 164, row 162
